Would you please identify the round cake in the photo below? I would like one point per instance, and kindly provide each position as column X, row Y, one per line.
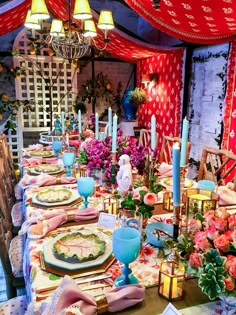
column 54, row 195
column 79, row 247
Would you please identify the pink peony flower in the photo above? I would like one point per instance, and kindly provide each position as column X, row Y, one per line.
column 230, row 259
column 194, row 225
column 222, row 243
column 232, row 221
column 150, row 199
column 195, row 260
column 209, row 217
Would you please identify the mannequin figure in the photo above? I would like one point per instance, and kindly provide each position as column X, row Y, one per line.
column 124, row 175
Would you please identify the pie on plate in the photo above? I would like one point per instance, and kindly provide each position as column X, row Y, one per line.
column 187, row 184
column 50, row 195
column 78, row 247
column 43, row 153
column 46, row 168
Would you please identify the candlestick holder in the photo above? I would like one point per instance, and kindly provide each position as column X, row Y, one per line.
column 113, row 171
column 176, row 221
column 183, row 173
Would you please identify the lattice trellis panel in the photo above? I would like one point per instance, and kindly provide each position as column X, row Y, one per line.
column 44, row 80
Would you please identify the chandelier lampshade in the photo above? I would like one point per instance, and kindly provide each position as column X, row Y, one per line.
column 105, row 21
column 39, row 10
column 57, row 28
column 82, row 10
column 89, row 28
column 31, row 22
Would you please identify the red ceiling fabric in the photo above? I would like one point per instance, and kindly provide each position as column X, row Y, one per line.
column 164, row 98
column 196, row 21
column 121, row 45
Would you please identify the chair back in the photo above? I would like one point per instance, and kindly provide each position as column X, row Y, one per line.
column 145, row 138
column 166, row 149
column 217, row 165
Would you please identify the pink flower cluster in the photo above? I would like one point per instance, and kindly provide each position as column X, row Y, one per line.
column 218, row 231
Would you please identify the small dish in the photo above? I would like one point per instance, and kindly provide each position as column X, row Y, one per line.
column 165, row 230
column 72, row 196
column 42, row 153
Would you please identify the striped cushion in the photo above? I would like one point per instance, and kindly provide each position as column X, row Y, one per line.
column 16, row 255
column 15, row 306
column 17, row 214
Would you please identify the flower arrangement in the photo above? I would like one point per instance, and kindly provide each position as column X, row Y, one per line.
column 141, row 200
column 97, row 153
column 138, row 96
column 211, row 246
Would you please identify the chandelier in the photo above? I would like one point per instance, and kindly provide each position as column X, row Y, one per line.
column 66, row 38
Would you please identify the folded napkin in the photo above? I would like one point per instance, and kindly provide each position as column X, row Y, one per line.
column 75, row 143
column 227, row 195
column 44, row 180
column 44, row 221
column 34, row 147
column 69, row 298
column 36, row 160
column 165, row 169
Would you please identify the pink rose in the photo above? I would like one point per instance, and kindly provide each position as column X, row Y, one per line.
column 229, row 284
column 222, row 243
column 220, row 224
column 195, row 260
column 229, row 235
column 232, row 221
column 138, row 189
column 200, row 240
column 150, row 199
column 194, row 225
column 212, row 233
column 136, row 196
column 230, row 260
column 232, row 269
column 222, row 213
column 209, row 217
column 233, row 235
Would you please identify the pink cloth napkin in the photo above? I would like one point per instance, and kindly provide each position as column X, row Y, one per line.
column 75, row 143
column 44, row 180
column 44, row 221
column 165, row 170
column 34, row 147
column 36, row 160
column 227, row 195
column 68, row 297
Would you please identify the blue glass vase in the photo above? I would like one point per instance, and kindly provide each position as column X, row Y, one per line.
column 129, row 108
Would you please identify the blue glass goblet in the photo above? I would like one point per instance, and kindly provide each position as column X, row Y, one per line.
column 126, row 247
column 68, row 159
column 85, row 187
column 57, row 146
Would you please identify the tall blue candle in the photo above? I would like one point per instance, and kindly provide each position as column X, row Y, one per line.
column 184, row 142
column 176, row 174
column 96, row 126
column 153, row 132
column 109, row 122
column 114, row 133
column 63, row 123
column 79, row 122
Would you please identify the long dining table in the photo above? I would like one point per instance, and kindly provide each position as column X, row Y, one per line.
column 42, row 278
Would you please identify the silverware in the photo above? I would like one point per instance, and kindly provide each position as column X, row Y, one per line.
column 77, row 281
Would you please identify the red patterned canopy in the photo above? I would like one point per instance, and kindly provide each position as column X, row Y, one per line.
column 196, row 21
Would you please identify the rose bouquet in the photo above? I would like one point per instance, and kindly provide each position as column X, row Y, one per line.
column 211, row 245
column 97, row 154
column 141, row 200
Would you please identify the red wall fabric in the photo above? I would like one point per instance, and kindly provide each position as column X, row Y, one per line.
column 164, row 98
column 229, row 119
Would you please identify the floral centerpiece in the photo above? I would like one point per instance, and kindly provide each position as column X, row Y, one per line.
column 211, row 249
column 97, row 154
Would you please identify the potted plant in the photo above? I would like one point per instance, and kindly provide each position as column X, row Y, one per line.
column 138, row 96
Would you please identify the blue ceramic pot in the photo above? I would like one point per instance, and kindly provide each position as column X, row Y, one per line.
column 129, row 108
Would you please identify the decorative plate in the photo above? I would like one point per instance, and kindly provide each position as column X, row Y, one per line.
column 46, row 168
column 187, row 184
column 55, row 196
column 50, row 258
column 43, row 153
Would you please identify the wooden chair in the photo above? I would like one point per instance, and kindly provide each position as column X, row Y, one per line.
column 145, row 138
column 11, row 254
column 166, row 149
column 217, row 165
